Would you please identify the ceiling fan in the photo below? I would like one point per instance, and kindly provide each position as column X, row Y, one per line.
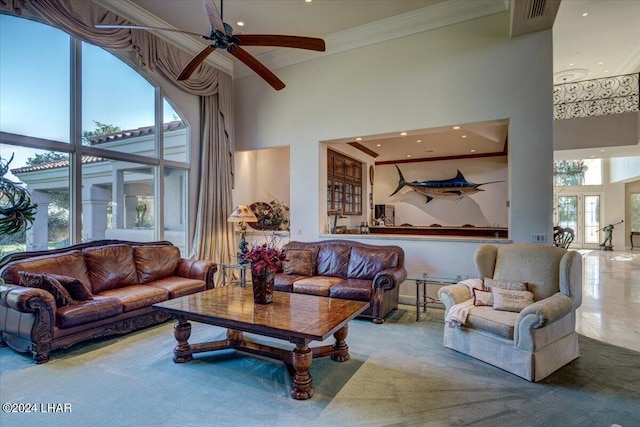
column 222, row 37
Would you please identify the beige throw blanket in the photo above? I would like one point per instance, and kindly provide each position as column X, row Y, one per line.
column 457, row 315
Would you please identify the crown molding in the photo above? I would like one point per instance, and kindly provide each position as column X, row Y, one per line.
column 429, row 18
column 139, row 16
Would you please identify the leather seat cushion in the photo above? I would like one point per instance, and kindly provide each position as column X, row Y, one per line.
column 155, row 262
column 356, row 289
column 316, row 285
column 137, row 296
column 110, row 267
column 365, row 263
column 333, row 260
column 284, row 282
column 88, row 311
column 178, row 286
column 497, row 322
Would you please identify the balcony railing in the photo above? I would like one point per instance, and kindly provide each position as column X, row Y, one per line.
column 598, row 97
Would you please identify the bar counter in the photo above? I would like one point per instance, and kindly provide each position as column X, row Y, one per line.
column 495, row 232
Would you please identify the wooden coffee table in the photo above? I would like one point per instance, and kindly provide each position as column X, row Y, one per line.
column 296, row 318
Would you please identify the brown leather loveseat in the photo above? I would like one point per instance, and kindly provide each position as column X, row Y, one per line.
column 345, row 269
column 54, row 299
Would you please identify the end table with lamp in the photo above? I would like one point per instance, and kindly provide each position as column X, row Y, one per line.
column 241, row 215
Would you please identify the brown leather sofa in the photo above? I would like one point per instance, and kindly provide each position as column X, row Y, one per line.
column 345, row 269
column 111, row 286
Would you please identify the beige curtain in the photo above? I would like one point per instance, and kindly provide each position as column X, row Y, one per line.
column 213, row 235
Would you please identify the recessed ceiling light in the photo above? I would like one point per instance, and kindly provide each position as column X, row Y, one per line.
column 419, row 140
column 606, row 71
column 464, row 136
column 585, row 14
column 571, row 64
column 358, row 139
column 592, row 156
column 308, row 1
column 473, row 151
column 456, row 127
column 602, row 150
column 378, row 145
column 240, row 24
column 403, row 133
column 408, row 155
column 600, row 63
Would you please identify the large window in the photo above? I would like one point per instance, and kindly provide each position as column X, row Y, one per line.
column 101, row 179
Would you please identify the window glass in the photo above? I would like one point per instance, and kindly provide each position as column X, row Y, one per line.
column 174, row 134
column 34, row 103
column 117, row 102
column 45, row 174
column 117, row 200
column 593, row 175
column 175, row 212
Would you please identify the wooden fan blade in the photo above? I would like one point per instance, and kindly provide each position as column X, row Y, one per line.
column 195, row 61
column 309, row 43
column 258, row 67
column 214, row 15
column 141, row 27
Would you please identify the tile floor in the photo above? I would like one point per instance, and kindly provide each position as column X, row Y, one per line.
column 610, row 310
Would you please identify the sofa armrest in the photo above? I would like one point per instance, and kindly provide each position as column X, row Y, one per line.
column 20, row 298
column 451, row 295
column 389, row 278
column 28, row 313
column 538, row 315
column 198, row 269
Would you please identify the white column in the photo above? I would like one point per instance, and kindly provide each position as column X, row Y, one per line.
column 37, row 235
column 94, row 212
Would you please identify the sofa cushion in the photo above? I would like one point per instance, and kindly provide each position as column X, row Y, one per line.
column 69, row 263
column 78, row 290
column 178, row 286
column 356, row 289
column 499, row 323
column 88, row 311
column 49, row 284
column 155, row 262
column 110, row 267
column 365, row 263
column 284, row 282
column 300, row 262
column 137, row 296
column 333, row 260
column 316, row 285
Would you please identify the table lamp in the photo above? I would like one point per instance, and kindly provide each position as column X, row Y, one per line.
column 242, row 214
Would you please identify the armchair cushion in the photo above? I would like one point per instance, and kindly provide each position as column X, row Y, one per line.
column 510, row 300
column 110, row 267
column 482, row 298
column 489, row 283
column 366, row 263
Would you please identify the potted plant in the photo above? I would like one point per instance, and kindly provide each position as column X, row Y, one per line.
column 265, row 261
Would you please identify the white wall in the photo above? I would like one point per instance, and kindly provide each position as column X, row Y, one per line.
column 463, row 73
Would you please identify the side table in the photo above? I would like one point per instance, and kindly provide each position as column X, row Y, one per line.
column 229, row 269
column 422, row 281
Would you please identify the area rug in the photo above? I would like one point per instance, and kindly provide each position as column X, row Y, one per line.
column 399, row 374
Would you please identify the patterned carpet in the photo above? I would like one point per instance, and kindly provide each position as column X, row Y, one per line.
column 399, row 374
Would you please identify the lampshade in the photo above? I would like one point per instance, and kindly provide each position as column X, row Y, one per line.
column 242, row 213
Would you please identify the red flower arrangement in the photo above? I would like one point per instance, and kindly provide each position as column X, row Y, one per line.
column 264, row 257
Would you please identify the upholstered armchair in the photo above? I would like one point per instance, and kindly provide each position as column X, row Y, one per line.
column 531, row 342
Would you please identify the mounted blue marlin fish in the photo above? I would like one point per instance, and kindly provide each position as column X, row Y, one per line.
column 457, row 187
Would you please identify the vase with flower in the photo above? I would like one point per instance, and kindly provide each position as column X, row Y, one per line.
column 265, row 262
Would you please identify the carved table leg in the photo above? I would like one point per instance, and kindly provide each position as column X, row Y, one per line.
column 182, row 332
column 301, row 361
column 341, row 348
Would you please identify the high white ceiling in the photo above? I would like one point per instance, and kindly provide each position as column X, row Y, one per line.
column 604, row 42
